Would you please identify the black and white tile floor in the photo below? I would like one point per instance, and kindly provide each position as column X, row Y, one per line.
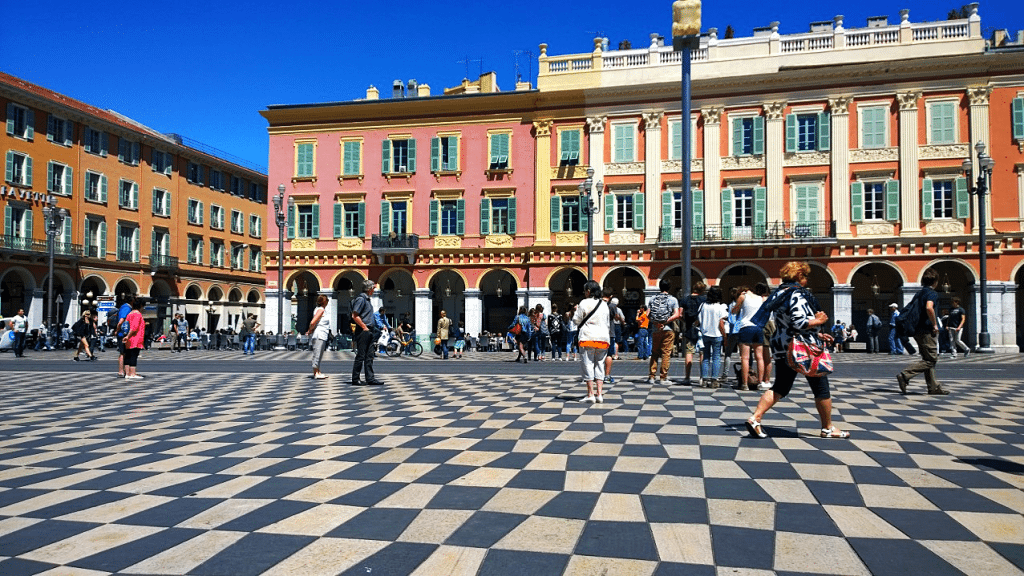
column 190, row 473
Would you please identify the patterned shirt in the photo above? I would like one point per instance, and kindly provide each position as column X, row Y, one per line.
column 791, row 320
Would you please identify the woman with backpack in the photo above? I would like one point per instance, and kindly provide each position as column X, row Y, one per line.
column 593, row 318
column 540, row 333
column 556, row 332
column 521, row 328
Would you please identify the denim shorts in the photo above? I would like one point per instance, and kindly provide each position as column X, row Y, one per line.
column 751, row 335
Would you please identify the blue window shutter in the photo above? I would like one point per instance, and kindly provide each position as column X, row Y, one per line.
column 69, row 181
column 927, row 199
column 412, row 155
column 453, row 152
column 103, row 188
column 892, row 200
column 385, row 217
column 338, row 220
column 316, row 221
column 824, row 131
column 609, row 211
column 857, row 202
column 638, row 211
column 727, row 216
column 291, row 221
column 791, row 131
column 435, row 209
column 10, row 118
column 759, row 135
column 30, row 124
column 760, row 211
column 512, row 216
column 667, row 200
column 49, row 178
column 485, row 216
column 1018, row 118
column 460, row 226
column 737, row 136
column 385, row 157
column 435, row 154
column 362, row 220
column 556, row 214
column 963, row 198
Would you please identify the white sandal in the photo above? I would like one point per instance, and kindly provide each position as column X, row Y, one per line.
column 834, row 433
column 755, row 429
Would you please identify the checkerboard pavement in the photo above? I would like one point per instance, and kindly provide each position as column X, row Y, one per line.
column 277, row 474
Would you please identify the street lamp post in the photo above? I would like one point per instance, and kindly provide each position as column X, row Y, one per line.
column 590, row 207
column 54, row 224
column 279, row 213
column 981, row 189
column 686, row 37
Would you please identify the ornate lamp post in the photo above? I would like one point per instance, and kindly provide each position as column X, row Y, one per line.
column 985, row 166
column 686, row 37
column 279, row 212
column 54, row 224
column 590, row 207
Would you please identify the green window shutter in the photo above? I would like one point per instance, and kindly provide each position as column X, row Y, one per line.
column 942, row 122
column 385, row 217
column 759, row 135
column 155, row 155
column 638, row 211
column 50, row 136
column 453, row 153
column 167, row 203
column 103, row 188
column 667, row 199
column 675, row 132
column 28, row 171
column 412, row 155
column 737, row 136
column 136, row 151
column 556, row 214
column 435, row 210
column 620, row 144
column 927, row 200
column 791, row 127
column 698, row 213
column 385, row 157
column 104, row 143
column 609, row 211
column 30, row 125
column 512, row 216
column 66, row 236
column 727, row 216
column 7, row 213
column 10, row 118
column 362, row 220
column 892, row 200
column 857, row 202
column 200, row 213
column 760, row 211
column 102, row 251
column 69, row 131
column 291, row 222
column 155, row 207
column 584, row 218
column 316, row 221
column 135, row 245
column 824, row 131
column 485, row 216
column 1018, row 118
column 807, row 204
column 49, row 177
column 963, row 198
column 28, row 223
column 338, row 220
column 135, row 195
column 152, row 243
column 435, row 154
column 69, row 181
column 460, row 226
column 121, row 149
column 9, row 175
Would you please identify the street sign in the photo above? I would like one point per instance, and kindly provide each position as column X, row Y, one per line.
column 105, row 306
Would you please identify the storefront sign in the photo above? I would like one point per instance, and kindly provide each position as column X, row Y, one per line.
column 13, row 193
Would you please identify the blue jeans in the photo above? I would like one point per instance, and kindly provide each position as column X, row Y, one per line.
column 250, row 344
column 643, row 343
column 711, row 359
column 895, row 346
column 570, row 343
column 556, row 345
column 19, row 343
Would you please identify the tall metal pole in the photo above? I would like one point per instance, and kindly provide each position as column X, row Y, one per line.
column 687, row 196
column 984, row 339
column 279, row 216
column 49, row 289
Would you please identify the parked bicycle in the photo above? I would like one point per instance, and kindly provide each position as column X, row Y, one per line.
column 395, row 347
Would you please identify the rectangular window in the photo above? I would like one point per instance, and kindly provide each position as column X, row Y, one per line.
column 95, row 141
column 943, row 200
column 569, row 212
column 807, row 132
column 623, row 211
column 216, row 180
column 127, row 243
column 195, row 250
column 677, row 210
column 351, row 220
column 255, row 260
column 874, row 201
column 499, row 151
column 747, row 136
column 624, row 143
column 399, row 217
column 237, row 222
column 807, row 205
column 162, row 162
column 238, row 256
column 128, row 152
column 942, row 122
column 872, row 126
column 216, row 217
column 216, row 253
column 59, row 179
column 195, row 173
column 161, row 243
column 19, row 222
column 95, row 187
column 237, row 186
column 195, row 212
column 95, row 238
column 499, row 216
column 305, row 156
column 400, row 154
column 255, row 226
column 161, row 202
column 743, row 208
column 444, row 154
column 449, row 217
column 351, row 162
column 19, row 168
column 20, row 122
column 128, row 195
column 59, row 130
column 304, row 220
column 254, row 192
column 569, row 141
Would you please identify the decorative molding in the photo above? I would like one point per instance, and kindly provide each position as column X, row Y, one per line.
column 624, row 238
column 874, row 155
column 938, row 151
column 440, row 173
column 711, row 115
column 498, row 240
column 944, row 227
column 807, row 158
column 568, row 172
column 908, row 100
column 775, row 110
column 669, row 166
column 448, row 242
column 979, row 95
column 596, row 124
column 350, row 243
column 343, row 177
column 622, row 168
column 304, row 244
column 543, row 128
column 652, row 120
column 876, row 229
column 742, row 162
column 840, row 106
column 571, row 239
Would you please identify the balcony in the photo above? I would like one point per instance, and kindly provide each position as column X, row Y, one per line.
column 163, row 262
column 10, row 243
column 403, row 244
column 92, row 252
column 809, row 232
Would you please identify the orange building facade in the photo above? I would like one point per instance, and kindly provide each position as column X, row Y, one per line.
column 147, row 213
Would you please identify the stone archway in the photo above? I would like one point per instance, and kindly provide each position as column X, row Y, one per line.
column 160, row 295
column 675, row 280
column 16, row 290
column 397, row 295
column 448, row 289
column 500, row 302
column 566, row 286
column 629, row 287
column 346, row 288
column 957, row 280
column 741, row 274
column 305, row 287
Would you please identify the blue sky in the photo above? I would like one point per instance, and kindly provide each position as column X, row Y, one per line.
column 206, row 69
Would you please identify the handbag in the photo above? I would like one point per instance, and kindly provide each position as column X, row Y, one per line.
column 808, row 358
column 516, row 328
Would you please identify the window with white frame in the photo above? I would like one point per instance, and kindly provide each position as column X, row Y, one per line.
column 807, row 132
column 942, row 122
column 95, row 237
column 255, row 226
column 238, row 256
column 398, row 156
column 743, row 208
column 216, row 217
column 216, row 253
column 128, row 152
column 449, row 217
column 95, row 141
column 20, row 121
column 874, row 201
column 18, row 168
column 195, row 211
column 566, row 214
column 128, row 195
column 873, row 126
column 942, row 199
column 162, row 162
column 399, row 217
column 353, row 217
column 237, row 222
column 747, row 135
column 161, row 202
column 624, row 142
column 624, row 211
column 195, row 250
column 18, row 221
column 59, row 130
column 499, row 146
column 570, row 146
column 498, row 215
column 444, row 153
column 95, row 187
column 59, row 179
column 127, row 242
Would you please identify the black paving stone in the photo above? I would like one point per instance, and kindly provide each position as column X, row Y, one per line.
column 675, row 509
column 514, row 563
column 171, row 513
column 626, row 482
column 538, row 480
column 743, row 547
column 22, row 567
column 365, row 471
column 462, row 497
column 252, row 555
column 78, row 504
column 899, row 558
column 266, row 515
column 835, row 493
column 925, row 524
column 278, row 487
column 571, row 505
column 396, row 558
column 121, row 557
column 804, row 519
column 735, row 489
column 369, row 495
column 376, row 524
column 39, row 535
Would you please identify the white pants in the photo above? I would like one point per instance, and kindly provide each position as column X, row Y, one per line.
column 592, row 363
column 954, row 338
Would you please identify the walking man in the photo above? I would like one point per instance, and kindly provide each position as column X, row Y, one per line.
column 955, row 326
column 874, row 325
column 182, row 338
column 664, row 310
column 895, row 345
column 366, row 334
column 926, row 334
column 248, row 333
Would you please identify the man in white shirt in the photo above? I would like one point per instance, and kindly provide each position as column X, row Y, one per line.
column 19, row 324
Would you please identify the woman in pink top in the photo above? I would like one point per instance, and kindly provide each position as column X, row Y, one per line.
column 133, row 342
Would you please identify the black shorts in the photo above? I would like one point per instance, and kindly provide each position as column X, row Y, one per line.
column 120, row 347
column 131, row 356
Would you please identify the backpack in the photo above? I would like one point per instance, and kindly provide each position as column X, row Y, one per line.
column 79, row 329
column 691, row 308
column 660, row 310
column 909, row 321
column 554, row 324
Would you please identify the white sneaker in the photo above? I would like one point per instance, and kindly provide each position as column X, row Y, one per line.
column 651, row 380
column 589, row 399
column 600, row 399
column 764, row 386
column 666, row 382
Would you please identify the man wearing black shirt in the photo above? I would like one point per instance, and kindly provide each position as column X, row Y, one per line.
column 955, row 326
column 927, row 338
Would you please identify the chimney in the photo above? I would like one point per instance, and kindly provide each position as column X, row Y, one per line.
column 412, row 88
column 397, row 89
column 878, row 22
column 372, row 93
column 423, row 90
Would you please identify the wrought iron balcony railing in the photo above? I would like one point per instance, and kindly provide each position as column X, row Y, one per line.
column 772, row 233
column 395, row 242
column 19, row 244
column 163, row 262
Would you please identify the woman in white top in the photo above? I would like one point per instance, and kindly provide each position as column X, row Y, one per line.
column 712, row 321
column 319, row 329
column 594, row 321
column 750, row 336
